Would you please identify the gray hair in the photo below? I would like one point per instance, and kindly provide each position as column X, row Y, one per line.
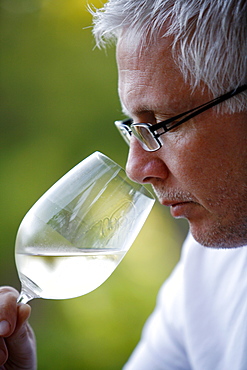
column 210, row 37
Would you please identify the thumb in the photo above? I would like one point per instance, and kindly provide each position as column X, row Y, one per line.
column 21, row 344
column 23, row 314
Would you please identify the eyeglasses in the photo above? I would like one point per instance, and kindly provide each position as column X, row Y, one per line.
column 148, row 134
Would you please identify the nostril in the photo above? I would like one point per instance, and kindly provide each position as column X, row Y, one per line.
column 145, row 167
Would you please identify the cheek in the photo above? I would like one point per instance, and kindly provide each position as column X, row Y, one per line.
column 189, row 158
column 196, row 164
column 212, row 172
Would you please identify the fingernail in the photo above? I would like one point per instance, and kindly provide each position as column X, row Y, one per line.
column 4, row 327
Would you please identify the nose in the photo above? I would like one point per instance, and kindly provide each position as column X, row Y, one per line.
column 145, row 167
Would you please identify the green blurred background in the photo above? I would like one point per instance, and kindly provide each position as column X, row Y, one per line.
column 58, row 103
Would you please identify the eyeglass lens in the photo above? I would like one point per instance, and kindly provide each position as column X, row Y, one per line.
column 145, row 137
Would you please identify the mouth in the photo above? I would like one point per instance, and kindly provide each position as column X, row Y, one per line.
column 180, row 209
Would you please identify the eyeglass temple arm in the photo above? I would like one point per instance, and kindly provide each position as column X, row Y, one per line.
column 195, row 111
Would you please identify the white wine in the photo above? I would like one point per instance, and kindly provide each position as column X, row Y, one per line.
column 65, row 273
column 53, row 267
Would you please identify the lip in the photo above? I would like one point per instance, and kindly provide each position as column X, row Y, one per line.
column 180, row 209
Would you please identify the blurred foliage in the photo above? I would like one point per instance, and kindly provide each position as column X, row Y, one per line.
column 58, row 102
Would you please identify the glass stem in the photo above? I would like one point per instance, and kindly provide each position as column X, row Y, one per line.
column 24, row 297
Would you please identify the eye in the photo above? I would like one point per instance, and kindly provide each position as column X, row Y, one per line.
column 173, row 125
column 160, row 130
column 166, row 126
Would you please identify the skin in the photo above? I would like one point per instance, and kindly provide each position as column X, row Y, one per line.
column 17, row 341
column 200, row 172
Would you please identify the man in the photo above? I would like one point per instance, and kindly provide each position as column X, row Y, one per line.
column 182, row 82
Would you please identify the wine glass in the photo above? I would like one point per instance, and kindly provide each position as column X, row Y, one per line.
column 76, row 234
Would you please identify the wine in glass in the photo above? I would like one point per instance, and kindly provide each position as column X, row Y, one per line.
column 76, row 234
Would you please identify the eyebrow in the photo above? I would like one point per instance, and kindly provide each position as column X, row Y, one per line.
column 138, row 111
column 125, row 110
column 153, row 110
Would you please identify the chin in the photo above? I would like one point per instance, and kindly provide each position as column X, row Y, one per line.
column 220, row 237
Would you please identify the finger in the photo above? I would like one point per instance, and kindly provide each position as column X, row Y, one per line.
column 21, row 343
column 23, row 332
column 23, row 313
column 3, row 352
column 8, row 310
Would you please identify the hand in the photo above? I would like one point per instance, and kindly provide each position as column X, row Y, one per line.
column 17, row 340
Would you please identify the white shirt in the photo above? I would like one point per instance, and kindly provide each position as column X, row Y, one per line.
column 200, row 321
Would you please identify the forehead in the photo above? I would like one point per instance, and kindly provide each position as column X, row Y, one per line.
column 149, row 79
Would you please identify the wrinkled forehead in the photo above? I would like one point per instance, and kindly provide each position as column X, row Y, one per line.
column 147, row 62
column 149, row 74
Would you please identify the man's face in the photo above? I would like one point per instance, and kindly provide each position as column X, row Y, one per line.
column 201, row 170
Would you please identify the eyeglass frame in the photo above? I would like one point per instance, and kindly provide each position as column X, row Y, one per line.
column 127, row 127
